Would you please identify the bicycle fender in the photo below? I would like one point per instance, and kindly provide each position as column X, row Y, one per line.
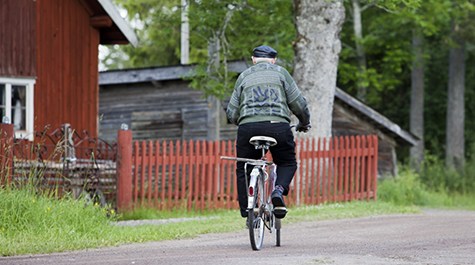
column 252, row 187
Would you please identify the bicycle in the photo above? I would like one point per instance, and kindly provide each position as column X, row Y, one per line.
column 259, row 188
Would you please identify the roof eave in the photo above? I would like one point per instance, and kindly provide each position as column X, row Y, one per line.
column 123, row 26
column 376, row 117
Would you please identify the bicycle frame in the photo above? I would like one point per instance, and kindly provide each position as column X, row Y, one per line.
column 260, row 169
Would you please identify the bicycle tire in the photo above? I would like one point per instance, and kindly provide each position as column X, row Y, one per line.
column 256, row 217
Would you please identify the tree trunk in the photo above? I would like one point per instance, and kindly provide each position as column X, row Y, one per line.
column 185, row 34
column 213, row 102
column 317, row 48
column 454, row 153
column 360, row 51
column 417, row 100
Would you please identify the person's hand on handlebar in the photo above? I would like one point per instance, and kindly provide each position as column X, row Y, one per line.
column 303, row 128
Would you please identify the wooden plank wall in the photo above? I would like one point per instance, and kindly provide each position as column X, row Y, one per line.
column 165, row 110
column 171, row 110
column 66, row 89
column 17, row 38
column 346, row 123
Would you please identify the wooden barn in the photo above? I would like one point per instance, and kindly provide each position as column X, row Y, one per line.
column 157, row 103
column 49, row 61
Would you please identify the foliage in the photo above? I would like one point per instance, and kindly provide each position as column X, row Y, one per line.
column 157, row 24
column 438, row 177
column 406, row 189
column 388, row 27
column 237, row 26
column 435, row 186
column 219, row 83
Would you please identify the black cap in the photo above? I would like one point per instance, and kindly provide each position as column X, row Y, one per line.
column 264, row 52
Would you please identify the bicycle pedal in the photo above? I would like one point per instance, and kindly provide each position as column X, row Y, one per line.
column 280, row 212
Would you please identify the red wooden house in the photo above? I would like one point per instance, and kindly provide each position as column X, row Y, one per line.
column 49, row 61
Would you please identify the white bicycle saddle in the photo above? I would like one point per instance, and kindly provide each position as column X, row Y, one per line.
column 262, row 140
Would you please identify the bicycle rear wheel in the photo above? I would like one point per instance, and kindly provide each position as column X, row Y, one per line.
column 256, row 217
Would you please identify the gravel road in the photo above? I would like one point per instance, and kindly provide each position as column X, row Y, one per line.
column 432, row 237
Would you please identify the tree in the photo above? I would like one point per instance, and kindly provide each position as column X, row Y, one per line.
column 157, row 24
column 424, row 25
column 317, row 50
column 416, row 120
column 233, row 28
column 219, row 31
column 455, row 143
column 388, row 27
column 360, row 49
column 462, row 16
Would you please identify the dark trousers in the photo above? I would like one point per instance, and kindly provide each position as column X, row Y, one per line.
column 283, row 155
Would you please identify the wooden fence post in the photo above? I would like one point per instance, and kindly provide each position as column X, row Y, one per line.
column 124, row 170
column 6, row 155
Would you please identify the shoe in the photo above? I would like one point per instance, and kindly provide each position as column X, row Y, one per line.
column 278, row 201
column 244, row 213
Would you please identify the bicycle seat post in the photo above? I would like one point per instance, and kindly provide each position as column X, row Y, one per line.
column 263, row 143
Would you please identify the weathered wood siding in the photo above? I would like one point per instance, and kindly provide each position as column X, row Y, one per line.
column 66, row 89
column 172, row 110
column 164, row 110
column 17, row 38
column 347, row 123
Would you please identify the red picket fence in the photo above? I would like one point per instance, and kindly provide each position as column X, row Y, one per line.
column 336, row 170
column 190, row 174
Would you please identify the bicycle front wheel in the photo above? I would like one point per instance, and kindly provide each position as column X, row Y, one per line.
column 256, row 217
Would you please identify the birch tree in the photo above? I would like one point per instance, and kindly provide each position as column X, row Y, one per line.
column 317, row 50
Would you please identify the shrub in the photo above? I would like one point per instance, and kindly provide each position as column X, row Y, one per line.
column 437, row 177
column 405, row 189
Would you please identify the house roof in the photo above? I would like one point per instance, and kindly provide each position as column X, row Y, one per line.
column 140, row 75
column 112, row 27
column 375, row 117
column 163, row 73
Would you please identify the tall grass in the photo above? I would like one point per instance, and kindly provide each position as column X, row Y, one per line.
column 27, row 217
column 434, row 187
column 438, row 177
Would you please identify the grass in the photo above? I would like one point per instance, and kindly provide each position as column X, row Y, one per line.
column 408, row 189
column 31, row 223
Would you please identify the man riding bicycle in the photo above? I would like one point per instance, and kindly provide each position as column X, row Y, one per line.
column 264, row 97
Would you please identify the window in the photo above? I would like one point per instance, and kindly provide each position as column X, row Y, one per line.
column 16, row 104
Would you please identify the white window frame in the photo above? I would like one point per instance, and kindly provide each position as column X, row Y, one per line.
column 29, row 83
